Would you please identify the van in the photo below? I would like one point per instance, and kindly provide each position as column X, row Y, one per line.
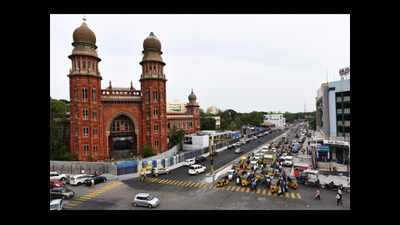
column 79, row 179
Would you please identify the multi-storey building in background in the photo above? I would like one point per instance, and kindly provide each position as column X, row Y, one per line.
column 118, row 121
column 333, row 107
column 277, row 119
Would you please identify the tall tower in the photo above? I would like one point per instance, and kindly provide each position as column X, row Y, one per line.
column 85, row 87
column 193, row 108
column 152, row 81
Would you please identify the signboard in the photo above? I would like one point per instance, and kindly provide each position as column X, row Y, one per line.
column 322, row 148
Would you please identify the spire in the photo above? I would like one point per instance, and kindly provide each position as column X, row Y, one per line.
column 152, row 34
column 84, row 19
column 131, row 85
column 109, row 86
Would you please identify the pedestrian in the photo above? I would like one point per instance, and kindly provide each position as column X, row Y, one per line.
column 317, row 194
column 92, row 182
column 338, row 198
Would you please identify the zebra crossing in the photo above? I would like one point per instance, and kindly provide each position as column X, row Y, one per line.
column 78, row 201
column 191, row 184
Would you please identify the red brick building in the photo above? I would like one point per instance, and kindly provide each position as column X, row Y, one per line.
column 118, row 122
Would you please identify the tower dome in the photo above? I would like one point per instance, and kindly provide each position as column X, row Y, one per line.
column 152, row 42
column 192, row 97
column 84, row 34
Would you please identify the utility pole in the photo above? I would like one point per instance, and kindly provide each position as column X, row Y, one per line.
column 211, row 155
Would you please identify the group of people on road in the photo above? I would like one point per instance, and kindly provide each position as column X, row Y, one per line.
column 339, row 195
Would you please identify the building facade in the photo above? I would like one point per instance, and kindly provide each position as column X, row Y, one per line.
column 277, row 119
column 322, row 109
column 333, row 113
column 117, row 122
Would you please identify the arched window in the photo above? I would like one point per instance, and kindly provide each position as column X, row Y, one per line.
column 147, row 96
column 155, row 95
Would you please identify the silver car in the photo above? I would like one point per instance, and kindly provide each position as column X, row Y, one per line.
column 56, row 204
column 145, row 199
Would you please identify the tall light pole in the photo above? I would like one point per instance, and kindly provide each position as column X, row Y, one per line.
column 211, row 156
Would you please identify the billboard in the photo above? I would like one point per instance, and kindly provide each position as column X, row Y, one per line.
column 322, row 148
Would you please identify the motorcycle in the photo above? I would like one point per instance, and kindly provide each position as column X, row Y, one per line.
column 331, row 186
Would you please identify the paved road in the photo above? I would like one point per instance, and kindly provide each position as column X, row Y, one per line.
column 180, row 191
column 195, row 196
column 223, row 158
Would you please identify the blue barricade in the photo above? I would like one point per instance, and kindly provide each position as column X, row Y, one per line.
column 154, row 163
column 163, row 162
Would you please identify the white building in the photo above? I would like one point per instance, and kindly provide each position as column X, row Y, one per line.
column 176, row 106
column 277, row 119
column 201, row 139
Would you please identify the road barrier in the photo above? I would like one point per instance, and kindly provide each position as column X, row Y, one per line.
column 126, row 167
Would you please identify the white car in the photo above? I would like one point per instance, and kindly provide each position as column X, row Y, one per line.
column 189, row 162
column 56, row 204
column 58, row 176
column 157, row 171
column 288, row 163
column 79, row 179
column 196, row 169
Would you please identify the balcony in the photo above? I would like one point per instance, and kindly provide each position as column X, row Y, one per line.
column 346, row 111
column 346, row 123
column 345, row 99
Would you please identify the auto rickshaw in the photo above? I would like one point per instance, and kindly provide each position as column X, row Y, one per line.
column 274, row 187
column 292, row 181
column 245, row 180
column 222, row 182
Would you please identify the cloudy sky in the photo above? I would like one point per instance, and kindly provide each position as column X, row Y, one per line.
column 232, row 61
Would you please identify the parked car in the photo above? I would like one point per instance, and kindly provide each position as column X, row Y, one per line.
column 58, row 176
column 145, row 199
column 97, row 179
column 56, row 204
column 56, row 183
column 159, row 171
column 79, row 179
column 63, row 193
column 200, row 159
column 239, row 151
column 189, row 162
column 196, row 169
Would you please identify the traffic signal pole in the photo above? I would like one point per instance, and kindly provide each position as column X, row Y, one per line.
column 211, row 156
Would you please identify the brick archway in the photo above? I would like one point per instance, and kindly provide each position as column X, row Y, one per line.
column 134, row 121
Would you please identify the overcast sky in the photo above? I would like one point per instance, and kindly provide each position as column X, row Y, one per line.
column 240, row 62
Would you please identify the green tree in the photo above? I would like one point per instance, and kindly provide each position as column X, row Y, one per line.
column 147, row 151
column 207, row 123
column 58, row 150
column 176, row 137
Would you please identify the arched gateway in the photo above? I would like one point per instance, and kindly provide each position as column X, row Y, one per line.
column 122, row 135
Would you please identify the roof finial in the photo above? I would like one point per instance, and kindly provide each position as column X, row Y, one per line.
column 152, row 34
column 84, row 18
column 131, row 85
column 110, row 85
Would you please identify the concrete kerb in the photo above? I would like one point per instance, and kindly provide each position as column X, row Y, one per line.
column 223, row 170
